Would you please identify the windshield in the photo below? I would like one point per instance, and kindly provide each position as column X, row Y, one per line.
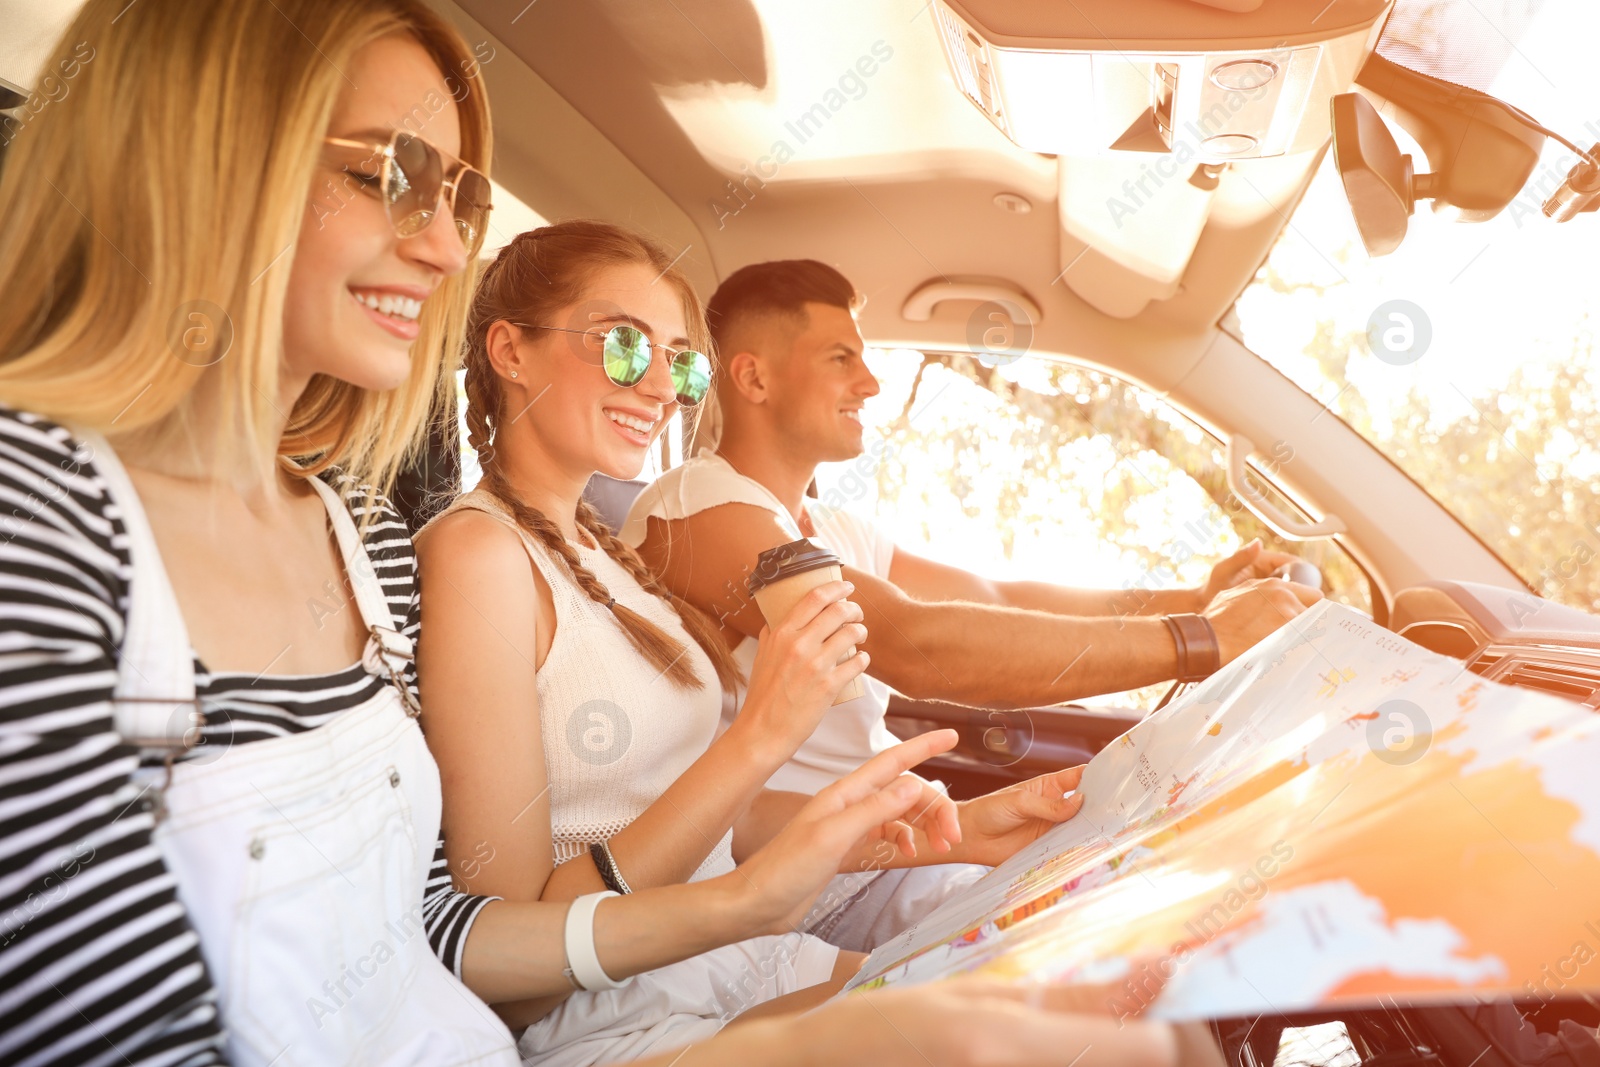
column 1468, row 355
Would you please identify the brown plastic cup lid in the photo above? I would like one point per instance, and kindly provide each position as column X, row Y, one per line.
column 785, row 561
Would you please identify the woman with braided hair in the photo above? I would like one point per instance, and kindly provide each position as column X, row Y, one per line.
column 574, row 703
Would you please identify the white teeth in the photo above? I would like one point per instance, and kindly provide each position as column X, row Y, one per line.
column 400, row 307
column 631, row 422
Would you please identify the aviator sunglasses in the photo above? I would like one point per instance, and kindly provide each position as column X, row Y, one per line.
column 409, row 175
column 626, row 354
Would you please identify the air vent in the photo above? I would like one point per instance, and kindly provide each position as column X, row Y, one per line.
column 1577, row 680
column 1484, row 664
column 1565, row 681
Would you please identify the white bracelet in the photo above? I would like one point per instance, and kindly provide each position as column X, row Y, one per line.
column 583, row 963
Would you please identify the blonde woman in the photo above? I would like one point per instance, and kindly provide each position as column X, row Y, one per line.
column 259, row 896
column 574, row 703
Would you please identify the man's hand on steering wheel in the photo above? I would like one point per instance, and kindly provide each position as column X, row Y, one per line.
column 1250, row 562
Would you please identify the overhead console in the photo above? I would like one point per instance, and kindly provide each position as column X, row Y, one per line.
column 1153, row 75
column 1507, row 636
column 1148, row 102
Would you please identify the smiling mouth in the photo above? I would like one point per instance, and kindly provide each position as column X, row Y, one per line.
column 632, row 424
column 401, row 309
column 853, row 414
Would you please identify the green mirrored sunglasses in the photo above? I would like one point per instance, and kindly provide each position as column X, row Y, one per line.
column 626, row 354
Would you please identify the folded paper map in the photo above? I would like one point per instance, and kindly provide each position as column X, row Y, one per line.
column 1338, row 815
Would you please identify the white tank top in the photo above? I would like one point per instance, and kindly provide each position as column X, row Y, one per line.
column 616, row 732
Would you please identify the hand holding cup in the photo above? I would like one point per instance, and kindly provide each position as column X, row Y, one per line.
column 784, row 575
column 807, row 660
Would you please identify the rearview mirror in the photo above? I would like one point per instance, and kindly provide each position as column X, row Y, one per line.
column 1378, row 178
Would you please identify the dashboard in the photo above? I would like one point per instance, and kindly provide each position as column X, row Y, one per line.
column 1511, row 637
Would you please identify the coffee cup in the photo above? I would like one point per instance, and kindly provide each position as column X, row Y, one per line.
column 785, row 574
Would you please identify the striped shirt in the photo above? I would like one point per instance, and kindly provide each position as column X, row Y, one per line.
column 98, row 963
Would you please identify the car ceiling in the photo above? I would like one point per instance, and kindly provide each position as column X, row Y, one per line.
column 899, row 189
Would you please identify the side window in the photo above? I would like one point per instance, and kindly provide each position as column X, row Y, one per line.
column 1043, row 470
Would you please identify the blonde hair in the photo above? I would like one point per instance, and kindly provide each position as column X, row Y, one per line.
column 533, row 277
column 176, row 169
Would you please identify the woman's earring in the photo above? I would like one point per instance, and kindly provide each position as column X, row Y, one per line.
column 513, row 374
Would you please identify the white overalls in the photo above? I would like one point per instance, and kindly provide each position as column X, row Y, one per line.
column 301, row 860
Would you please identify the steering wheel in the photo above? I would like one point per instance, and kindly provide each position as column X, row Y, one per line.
column 1300, row 571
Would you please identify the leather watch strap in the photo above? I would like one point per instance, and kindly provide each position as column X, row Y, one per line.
column 1199, row 655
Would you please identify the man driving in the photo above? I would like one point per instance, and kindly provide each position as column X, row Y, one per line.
column 791, row 388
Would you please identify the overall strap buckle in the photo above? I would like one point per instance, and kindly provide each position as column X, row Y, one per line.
column 157, row 727
column 388, row 652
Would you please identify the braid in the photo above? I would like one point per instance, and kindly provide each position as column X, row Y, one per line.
column 483, row 396
column 699, row 625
